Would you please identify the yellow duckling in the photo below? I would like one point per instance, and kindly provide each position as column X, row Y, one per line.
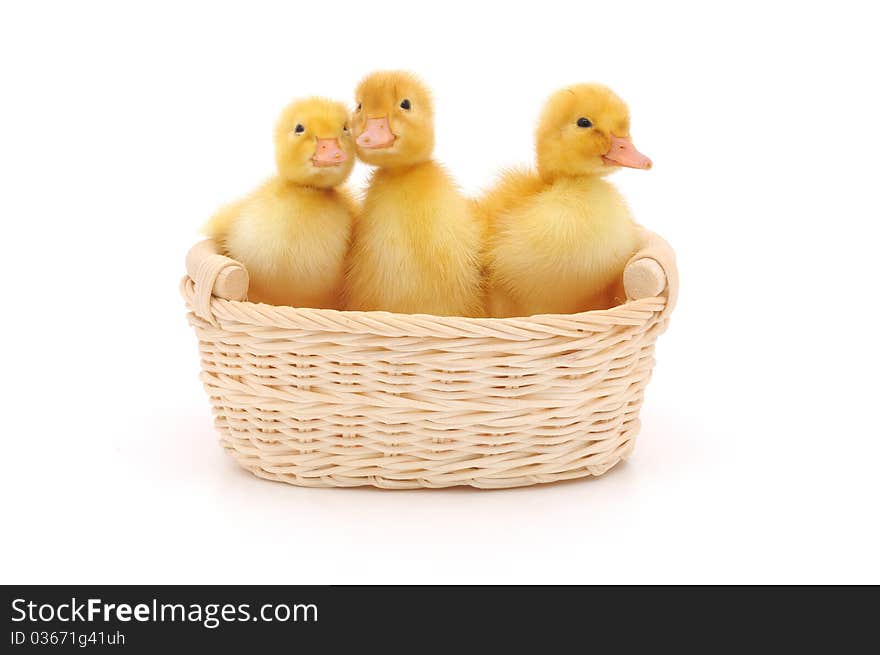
column 416, row 244
column 561, row 237
column 292, row 233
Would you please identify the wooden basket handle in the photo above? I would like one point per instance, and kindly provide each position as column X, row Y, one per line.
column 652, row 271
column 214, row 274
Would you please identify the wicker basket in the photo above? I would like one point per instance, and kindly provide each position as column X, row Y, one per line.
column 327, row 398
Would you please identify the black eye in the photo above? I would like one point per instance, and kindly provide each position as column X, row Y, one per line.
column 345, row 128
column 359, row 107
column 299, row 129
column 584, row 122
column 406, row 104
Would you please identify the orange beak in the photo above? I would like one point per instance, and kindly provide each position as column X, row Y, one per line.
column 624, row 153
column 328, row 152
column 376, row 134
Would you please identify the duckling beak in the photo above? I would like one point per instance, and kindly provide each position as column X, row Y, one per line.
column 376, row 134
column 624, row 153
column 328, row 152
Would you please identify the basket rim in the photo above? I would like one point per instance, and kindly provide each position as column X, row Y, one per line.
column 228, row 312
column 636, row 306
column 198, row 288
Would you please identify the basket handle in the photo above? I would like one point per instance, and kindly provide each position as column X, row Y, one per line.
column 214, row 274
column 652, row 271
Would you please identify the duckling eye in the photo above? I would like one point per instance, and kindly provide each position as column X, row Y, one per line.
column 406, row 104
column 584, row 122
column 299, row 129
column 358, row 107
column 345, row 128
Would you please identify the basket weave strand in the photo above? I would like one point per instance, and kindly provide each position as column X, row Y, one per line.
column 327, row 398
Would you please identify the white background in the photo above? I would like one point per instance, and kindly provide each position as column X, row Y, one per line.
column 124, row 125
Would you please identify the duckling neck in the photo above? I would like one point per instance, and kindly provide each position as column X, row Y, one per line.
column 406, row 169
column 574, row 180
column 289, row 186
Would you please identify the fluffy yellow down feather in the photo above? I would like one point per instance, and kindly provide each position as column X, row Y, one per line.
column 292, row 233
column 559, row 237
column 416, row 245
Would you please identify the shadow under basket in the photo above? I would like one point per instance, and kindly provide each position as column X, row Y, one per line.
column 326, row 398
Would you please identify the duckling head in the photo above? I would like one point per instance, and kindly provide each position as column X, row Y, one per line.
column 393, row 120
column 313, row 143
column 584, row 130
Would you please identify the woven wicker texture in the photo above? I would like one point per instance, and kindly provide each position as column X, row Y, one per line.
column 328, row 398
